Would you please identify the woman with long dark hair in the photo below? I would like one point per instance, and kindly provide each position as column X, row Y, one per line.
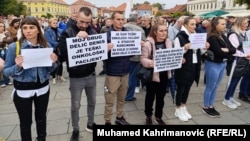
column 30, row 85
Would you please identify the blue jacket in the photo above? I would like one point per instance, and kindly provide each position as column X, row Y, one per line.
column 117, row 66
column 50, row 36
column 24, row 75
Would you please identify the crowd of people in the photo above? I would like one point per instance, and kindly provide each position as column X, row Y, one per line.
column 225, row 40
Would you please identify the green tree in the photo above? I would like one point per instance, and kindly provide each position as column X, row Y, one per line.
column 243, row 1
column 157, row 5
column 48, row 15
column 12, row 7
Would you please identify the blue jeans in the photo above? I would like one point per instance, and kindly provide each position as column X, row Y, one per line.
column 132, row 81
column 245, row 86
column 214, row 74
column 232, row 87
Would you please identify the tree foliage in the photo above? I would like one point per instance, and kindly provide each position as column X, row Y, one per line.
column 157, row 5
column 48, row 15
column 243, row 2
column 12, row 7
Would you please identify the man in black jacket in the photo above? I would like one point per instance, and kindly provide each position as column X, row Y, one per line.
column 83, row 76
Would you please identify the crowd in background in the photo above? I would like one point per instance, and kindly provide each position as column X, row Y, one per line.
column 225, row 37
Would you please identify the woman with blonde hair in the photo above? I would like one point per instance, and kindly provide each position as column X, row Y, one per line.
column 52, row 34
column 237, row 37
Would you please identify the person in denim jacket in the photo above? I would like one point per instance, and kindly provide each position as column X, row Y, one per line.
column 32, row 84
column 52, row 35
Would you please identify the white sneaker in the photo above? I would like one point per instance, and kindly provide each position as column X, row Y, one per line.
column 54, row 81
column 62, row 79
column 2, row 86
column 180, row 114
column 229, row 104
column 235, row 102
column 185, row 112
column 137, row 90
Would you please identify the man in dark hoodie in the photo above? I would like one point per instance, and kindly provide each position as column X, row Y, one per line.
column 83, row 76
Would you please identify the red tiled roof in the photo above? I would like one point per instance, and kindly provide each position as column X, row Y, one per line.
column 121, row 7
column 82, row 2
column 144, row 7
column 177, row 8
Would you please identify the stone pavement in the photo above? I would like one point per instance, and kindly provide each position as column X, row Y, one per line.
column 59, row 122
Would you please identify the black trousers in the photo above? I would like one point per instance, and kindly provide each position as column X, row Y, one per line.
column 58, row 71
column 156, row 90
column 24, row 110
column 182, row 93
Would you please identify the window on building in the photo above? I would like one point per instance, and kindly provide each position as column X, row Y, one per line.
column 36, row 9
column 42, row 3
column 43, row 9
column 48, row 9
column 35, row 3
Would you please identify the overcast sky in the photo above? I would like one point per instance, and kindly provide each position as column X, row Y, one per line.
column 108, row 3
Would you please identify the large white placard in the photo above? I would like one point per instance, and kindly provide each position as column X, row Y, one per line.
column 126, row 43
column 198, row 40
column 87, row 50
column 39, row 57
column 168, row 59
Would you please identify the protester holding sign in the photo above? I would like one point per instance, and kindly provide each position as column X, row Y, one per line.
column 190, row 70
column 215, row 68
column 81, row 76
column 156, row 89
column 116, row 80
column 32, row 84
column 237, row 37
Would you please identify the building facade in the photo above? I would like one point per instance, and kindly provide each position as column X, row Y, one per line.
column 203, row 6
column 37, row 8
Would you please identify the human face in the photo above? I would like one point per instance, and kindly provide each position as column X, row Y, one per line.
column 53, row 24
column 108, row 22
column 83, row 21
column 244, row 25
column 161, row 33
column 191, row 25
column 30, row 32
column 221, row 26
column 118, row 21
column 1, row 27
column 145, row 22
column 16, row 24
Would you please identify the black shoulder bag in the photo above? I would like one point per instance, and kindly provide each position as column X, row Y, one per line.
column 145, row 74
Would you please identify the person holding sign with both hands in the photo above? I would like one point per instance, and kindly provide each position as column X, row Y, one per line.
column 31, row 84
column 156, row 89
column 190, row 69
column 82, row 76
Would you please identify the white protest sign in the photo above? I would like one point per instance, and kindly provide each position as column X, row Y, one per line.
column 39, row 57
column 168, row 59
column 126, row 43
column 246, row 47
column 87, row 50
column 198, row 40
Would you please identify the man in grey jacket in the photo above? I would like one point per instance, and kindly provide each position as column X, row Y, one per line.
column 134, row 61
